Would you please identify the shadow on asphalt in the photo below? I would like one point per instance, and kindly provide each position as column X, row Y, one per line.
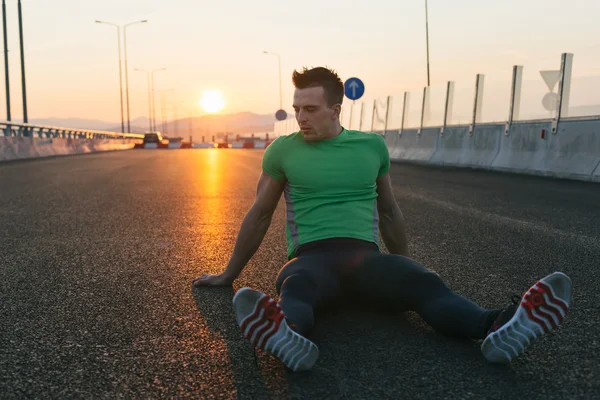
column 364, row 353
column 256, row 375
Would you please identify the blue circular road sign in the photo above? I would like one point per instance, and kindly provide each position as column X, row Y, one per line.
column 354, row 88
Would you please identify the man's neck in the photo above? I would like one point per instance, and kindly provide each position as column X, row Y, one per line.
column 335, row 131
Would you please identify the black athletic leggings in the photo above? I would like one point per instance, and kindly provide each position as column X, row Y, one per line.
column 325, row 271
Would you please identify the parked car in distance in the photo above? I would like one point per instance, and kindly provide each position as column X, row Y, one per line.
column 153, row 137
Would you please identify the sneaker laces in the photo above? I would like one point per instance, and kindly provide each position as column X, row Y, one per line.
column 505, row 313
column 512, row 308
column 516, row 299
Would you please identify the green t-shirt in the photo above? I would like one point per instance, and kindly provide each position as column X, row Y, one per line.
column 331, row 189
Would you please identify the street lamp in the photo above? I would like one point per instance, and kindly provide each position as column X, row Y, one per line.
column 120, row 69
column 279, row 64
column 126, row 69
column 151, row 102
column 7, row 78
column 427, row 40
column 163, row 107
column 24, row 89
column 149, row 98
column 153, row 98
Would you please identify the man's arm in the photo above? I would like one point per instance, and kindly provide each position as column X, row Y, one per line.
column 391, row 220
column 255, row 224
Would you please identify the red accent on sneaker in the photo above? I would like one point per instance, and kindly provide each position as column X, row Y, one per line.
column 255, row 314
column 555, row 301
column 534, row 300
column 272, row 315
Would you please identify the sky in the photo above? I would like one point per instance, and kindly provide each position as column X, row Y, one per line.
column 72, row 65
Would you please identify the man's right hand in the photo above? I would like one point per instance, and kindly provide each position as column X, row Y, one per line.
column 213, row 280
column 252, row 232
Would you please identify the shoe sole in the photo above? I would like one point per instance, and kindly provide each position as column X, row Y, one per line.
column 266, row 328
column 542, row 309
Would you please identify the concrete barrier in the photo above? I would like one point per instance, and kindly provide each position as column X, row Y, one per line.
column 457, row 147
column 574, row 152
column 259, row 144
column 95, row 145
column 391, row 139
column 203, row 145
column 242, row 145
column 523, row 149
column 415, row 147
column 19, row 147
column 12, row 148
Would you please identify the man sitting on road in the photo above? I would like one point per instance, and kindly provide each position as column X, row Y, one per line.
column 339, row 198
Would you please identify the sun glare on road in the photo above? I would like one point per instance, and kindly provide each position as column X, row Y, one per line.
column 212, row 101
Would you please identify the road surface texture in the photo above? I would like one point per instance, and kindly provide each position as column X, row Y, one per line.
column 97, row 255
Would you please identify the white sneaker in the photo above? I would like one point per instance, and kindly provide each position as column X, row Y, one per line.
column 541, row 309
column 262, row 321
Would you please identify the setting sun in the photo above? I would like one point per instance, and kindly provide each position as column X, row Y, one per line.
column 212, row 101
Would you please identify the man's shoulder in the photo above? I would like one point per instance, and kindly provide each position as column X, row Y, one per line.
column 354, row 132
column 368, row 136
column 284, row 140
column 281, row 145
column 276, row 152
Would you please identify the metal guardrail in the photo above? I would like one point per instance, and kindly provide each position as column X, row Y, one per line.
column 39, row 131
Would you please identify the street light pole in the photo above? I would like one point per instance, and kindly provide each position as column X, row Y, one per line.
column 8, row 116
column 24, row 88
column 163, row 105
column 127, row 69
column 153, row 98
column 149, row 98
column 120, row 70
column 279, row 66
column 150, row 75
column 427, row 40
column 153, row 102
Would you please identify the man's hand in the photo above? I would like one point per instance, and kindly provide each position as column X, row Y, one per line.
column 252, row 232
column 212, row 280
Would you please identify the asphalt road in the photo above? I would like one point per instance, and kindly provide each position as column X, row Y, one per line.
column 97, row 255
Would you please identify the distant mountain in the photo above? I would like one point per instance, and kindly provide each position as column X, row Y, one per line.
column 207, row 125
column 243, row 123
column 138, row 125
column 76, row 123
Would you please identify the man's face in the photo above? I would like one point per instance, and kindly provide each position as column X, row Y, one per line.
column 316, row 119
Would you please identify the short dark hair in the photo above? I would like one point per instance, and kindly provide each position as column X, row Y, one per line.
column 320, row 76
